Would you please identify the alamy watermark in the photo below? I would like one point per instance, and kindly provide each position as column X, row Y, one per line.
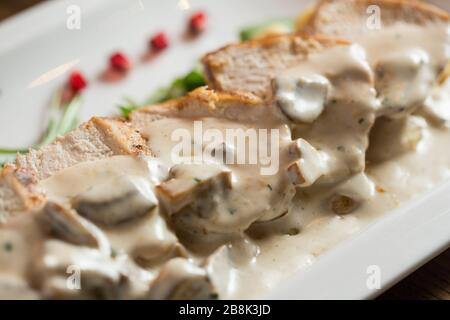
column 230, row 146
column 73, row 21
column 73, row 281
column 373, row 21
column 373, row 281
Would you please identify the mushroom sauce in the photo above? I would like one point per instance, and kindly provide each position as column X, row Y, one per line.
column 357, row 129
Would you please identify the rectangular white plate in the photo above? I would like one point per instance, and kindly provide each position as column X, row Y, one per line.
column 36, row 41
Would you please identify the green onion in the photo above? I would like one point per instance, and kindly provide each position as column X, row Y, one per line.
column 69, row 116
column 12, row 151
column 62, row 120
column 283, row 25
column 54, row 114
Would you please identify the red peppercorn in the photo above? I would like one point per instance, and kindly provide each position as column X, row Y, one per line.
column 119, row 61
column 77, row 81
column 197, row 22
column 159, row 41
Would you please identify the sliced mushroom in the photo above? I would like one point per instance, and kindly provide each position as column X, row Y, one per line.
column 198, row 186
column 403, row 80
column 437, row 105
column 96, row 272
column 68, row 271
column 223, row 264
column 148, row 241
column 390, row 138
column 68, row 225
column 181, row 279
column 117, row 200
column 301, row 98
column 309, row 167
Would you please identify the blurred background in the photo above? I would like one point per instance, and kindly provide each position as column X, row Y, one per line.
column 10, row 7
column 430, row 282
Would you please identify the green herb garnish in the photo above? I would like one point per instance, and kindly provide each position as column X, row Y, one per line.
column 283, row 25
column 8, row 246
column 179, row 87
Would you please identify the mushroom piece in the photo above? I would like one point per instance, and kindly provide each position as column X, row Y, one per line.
column 301, row 98
column 310, row 165
column 181, row 279
column 392, row 137
column 225, row 262
column 117, row 200
column 69, row 271
column 148, row 241
column 436, row 107
column 403, row 80
column 85, row 271
column 69, row 226
column 351, row 193
column 198, row 186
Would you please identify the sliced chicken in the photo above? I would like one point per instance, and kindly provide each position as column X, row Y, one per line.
column 203, row 201
column 18, row 192
column 97, row 139
column 249, row 66
column 406, row 42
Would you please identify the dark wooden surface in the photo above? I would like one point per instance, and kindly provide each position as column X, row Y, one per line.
column 430, row 282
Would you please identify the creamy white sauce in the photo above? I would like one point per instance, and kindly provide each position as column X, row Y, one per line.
column 181, row 225
column 397, row 181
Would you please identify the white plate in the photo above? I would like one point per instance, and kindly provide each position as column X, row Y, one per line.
column 36, row 41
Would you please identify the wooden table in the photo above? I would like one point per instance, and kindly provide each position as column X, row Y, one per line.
column 430, row 282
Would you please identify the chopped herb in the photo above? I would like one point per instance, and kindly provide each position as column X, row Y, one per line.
column 126, row 110
column 179, row 87
column 361, row 120
column 333, row 101
column 113, row 253
column 341, row 148
column 197, row 180
column 232, row 211
column 270, row 187
column 8, row 246
column 193, row 80
column 214, row 296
